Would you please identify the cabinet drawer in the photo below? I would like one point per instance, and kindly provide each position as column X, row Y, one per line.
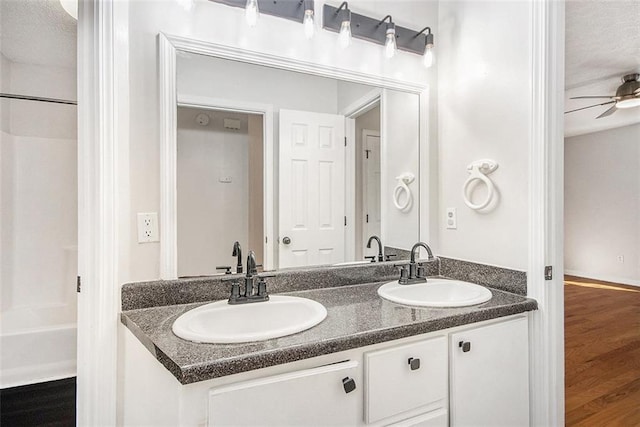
column 317, row 396
column 436, row 418
column 394, row 386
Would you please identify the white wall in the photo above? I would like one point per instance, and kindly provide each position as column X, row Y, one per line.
column 225, row 25
column 211, row 214
column 484, row 107
column 38, row 198
column 602, row 205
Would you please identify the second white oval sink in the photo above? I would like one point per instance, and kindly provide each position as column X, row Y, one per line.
column 435, row 293
column 223, row 323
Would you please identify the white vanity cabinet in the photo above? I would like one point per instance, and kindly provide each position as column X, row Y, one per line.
column 326, row 395
column 405, row 377
column 489, row 375
column 429, row 380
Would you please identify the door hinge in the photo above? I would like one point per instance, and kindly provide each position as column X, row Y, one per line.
column 266, row 239
column 367, row 218
column 345, row 221
column 78, row 284
column 345, row 141
column 367, row 153
column 548, row 273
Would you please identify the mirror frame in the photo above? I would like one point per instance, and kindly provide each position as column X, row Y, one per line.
column 169, row 45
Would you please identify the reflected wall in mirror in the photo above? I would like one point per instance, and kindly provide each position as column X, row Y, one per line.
column 303, row 172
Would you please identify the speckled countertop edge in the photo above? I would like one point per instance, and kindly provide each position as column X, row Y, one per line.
column 357, row 317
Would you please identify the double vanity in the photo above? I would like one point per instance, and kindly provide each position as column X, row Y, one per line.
column 342, row 345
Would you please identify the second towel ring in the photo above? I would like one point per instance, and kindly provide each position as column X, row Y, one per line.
column 403, row 187
column 478, row 171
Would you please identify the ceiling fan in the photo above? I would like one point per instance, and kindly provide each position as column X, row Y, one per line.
column 627, row 96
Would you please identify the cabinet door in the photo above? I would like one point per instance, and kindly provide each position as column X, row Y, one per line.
column 405, row 377
column 319, row 396
column 490, row 375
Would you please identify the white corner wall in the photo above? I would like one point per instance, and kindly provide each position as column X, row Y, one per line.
column 602, row 205
column 225, row 25
column 484, row 107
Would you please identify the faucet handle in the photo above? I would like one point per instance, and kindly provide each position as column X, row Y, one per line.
column 389, row 256
column 371, row 257
column 422, row 271
column 225, row 267
column 263, row 276
column 404, row 273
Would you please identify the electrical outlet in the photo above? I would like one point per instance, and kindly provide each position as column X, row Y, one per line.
column 148, row 227
column 620, row 259
column 452, row 219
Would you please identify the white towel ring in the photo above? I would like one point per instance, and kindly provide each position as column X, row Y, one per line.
column 478, row 171
column 403, row 187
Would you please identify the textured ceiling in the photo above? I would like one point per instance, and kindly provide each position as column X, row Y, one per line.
column 37, row 32
column 602, row 43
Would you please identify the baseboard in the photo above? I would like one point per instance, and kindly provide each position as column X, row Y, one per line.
column 604, row 278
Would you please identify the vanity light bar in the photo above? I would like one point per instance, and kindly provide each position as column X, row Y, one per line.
column 370, row 29
column 287, row 9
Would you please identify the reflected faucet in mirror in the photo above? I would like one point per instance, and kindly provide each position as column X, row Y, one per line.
column 379, row 242
column 237, row 252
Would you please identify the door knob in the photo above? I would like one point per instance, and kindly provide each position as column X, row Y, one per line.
column 286, row 240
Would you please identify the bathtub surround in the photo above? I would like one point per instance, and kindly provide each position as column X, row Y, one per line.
column 38, row 223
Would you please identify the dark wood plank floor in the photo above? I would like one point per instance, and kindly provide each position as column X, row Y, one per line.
column 45, row 404
column 602, row 353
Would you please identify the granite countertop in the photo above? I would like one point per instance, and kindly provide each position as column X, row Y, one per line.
column 356, row 317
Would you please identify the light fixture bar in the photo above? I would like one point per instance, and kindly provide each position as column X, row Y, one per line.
column 287, row 9
column 365, row 28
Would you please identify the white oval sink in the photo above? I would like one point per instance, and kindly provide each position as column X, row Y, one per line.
column 223, row 323
column 435, row 293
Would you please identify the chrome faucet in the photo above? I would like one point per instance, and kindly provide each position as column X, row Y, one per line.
column 380, row 254
column 417, row 272
column 237, row 252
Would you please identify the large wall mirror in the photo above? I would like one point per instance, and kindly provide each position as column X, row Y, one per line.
column 301, row 166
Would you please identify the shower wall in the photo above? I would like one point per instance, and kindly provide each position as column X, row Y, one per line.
column 38, row 220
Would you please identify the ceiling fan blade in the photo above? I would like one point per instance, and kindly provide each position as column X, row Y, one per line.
column 590, row 106
column 609, row 112
column 589, row 97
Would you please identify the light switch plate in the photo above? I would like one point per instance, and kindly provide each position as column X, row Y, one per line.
column 148, row 227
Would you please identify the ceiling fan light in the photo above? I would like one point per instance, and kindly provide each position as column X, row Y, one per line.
column 628, row 103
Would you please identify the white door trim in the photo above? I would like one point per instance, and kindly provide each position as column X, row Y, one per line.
column 170, row 44
column 103, row 170
column 170, row 221
column 546, row 214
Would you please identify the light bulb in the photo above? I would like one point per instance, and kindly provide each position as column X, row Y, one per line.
column 390, row 44
column 187, row 5
column 251, row 12
column 628, row 103
column 71, row 7
column 427, row 58
column 345, row 34
column 308, row 24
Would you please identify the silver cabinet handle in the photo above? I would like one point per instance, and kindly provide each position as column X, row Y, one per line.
column 286, row 240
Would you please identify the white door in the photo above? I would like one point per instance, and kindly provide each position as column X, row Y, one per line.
column 371, row 185
column 312, row 188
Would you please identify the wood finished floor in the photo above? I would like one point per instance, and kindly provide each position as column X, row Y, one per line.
column 602, row 353
column 50, row 404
